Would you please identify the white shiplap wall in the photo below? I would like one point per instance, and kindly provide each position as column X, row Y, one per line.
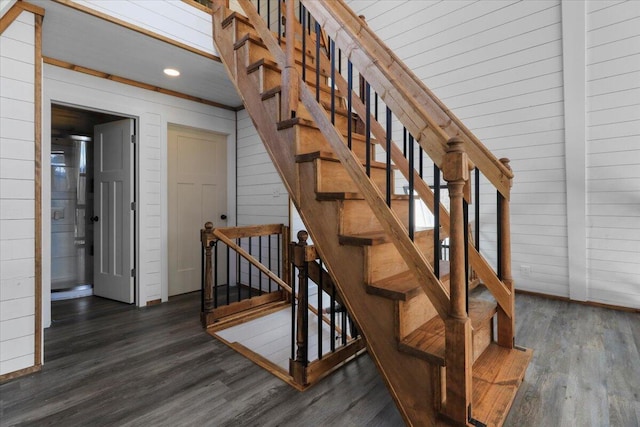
column 613, row 151
column 17, row 196
column 154, row 112
column 262, row 197
column 174, row 19
column 498, row 66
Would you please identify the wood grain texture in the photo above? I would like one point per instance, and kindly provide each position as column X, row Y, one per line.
column 9, row 17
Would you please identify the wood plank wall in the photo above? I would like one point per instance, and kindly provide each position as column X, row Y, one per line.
column 17, row 197
column 613, row 151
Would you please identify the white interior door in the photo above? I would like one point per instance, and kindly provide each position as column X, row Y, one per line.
column 113, row 217
column 197, row 172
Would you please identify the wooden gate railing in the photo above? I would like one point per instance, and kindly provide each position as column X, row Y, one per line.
column 261, row 269
column 270, row 269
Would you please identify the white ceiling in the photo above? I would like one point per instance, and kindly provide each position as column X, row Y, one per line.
column 81, row 39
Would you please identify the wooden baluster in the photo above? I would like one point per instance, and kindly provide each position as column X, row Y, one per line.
column 290, row 88
column 458, row 344
column 506, row 324
column 207, row 238
column 297, row 367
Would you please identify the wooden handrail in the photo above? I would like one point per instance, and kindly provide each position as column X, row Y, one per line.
column 219, row 233
column 419, row 110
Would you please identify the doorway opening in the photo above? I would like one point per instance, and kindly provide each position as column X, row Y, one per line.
column 75, row 218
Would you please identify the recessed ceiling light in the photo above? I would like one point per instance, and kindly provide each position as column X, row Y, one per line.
column 172, row 72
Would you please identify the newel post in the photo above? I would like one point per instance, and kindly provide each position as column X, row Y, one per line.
column 208, row 240
column 458, row 343
column 290, row 84
column 217, row 4
column 298, row 366
column 506, row 324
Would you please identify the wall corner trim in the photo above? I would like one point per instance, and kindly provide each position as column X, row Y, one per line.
column 574, row 77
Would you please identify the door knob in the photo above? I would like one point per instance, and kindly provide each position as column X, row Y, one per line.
column 223, row 217
column 94, row 218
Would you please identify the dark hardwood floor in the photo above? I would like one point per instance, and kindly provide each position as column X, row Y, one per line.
column 112, row 364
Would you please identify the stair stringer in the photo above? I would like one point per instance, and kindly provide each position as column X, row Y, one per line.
column 413, row 383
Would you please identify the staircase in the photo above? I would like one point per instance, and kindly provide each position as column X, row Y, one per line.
column 446, row 359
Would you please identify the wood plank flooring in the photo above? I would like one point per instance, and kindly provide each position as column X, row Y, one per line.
column 270, row 336
column 112, row 364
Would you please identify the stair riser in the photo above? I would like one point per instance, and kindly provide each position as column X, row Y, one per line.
column 240, row 29
column 331, row 177
column 254, row 52
column 268, row 78
column 341, row 121
column 413, row 313
column 273, row 78
column 482, row 337
column 418, row 310
column 311, row 140
column 276, row 75
column 357, row 216
column 310, row 51
column 384, row 260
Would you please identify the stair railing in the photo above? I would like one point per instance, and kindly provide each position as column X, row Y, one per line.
column 330, row 318
column 261, row 269
column 390, row 222
column 404, row 160
column 411, row 115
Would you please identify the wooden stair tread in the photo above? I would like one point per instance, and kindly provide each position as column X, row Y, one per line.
column 356, row 196
column 329, row 156
column 372, row 238
column 270, row 93
column 283, row 124
column 497, row 374
column 270, row 63
column 428, row 340
column 403, row 286
column 235, row 16
column 248, row 37
column 299, row 121
column 273, row 65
